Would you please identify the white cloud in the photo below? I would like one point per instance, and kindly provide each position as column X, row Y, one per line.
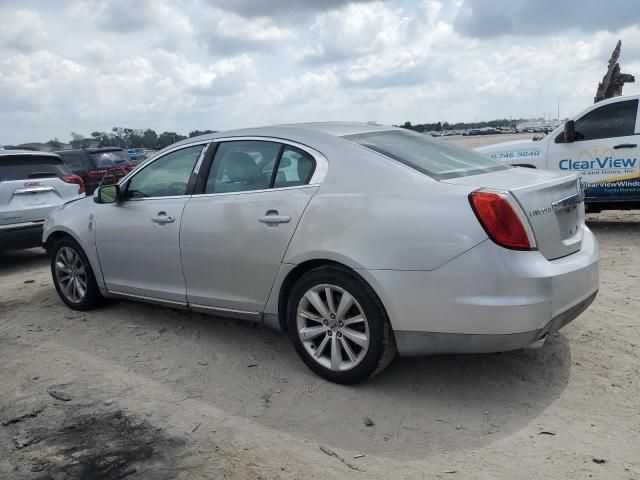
column 279, row 8
column 97, row 51
column 186, row 64
column 225, row 32
column 22, row 30
column 124, row 16
column 309, row 87
column 355, row 30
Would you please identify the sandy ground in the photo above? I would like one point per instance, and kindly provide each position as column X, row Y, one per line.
column 147, row 392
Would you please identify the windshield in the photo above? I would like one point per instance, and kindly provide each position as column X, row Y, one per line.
column 434, row 158
column 111, row 158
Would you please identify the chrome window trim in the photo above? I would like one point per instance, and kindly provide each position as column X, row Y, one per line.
column 322, row 164
column 319, row 174
column 171, row 197
column 262, row 190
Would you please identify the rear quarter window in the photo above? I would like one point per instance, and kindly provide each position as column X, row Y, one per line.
column 24, row 167
column 434, row 158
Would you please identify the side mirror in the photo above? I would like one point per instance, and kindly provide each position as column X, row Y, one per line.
column 107, row 194
column 569, row 131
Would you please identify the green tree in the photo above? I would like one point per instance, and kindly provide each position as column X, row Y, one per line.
column 197, row 133
column 78, row 140
column 55, row 144
column 167, row 138
column 149, row 138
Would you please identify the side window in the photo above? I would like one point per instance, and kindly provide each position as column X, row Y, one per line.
column 167, row 176
column 239, row 166
column 295, row 168
column 74, row 160
column 613, row 120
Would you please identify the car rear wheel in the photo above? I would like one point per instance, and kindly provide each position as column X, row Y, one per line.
column 338, row 325
column 73, row 277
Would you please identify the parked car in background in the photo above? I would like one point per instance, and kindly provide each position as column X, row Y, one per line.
column 98, row 165
column 31, row 185
column 358, row 239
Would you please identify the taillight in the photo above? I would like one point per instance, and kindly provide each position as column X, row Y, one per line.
column 502, row 219
column 74, row 179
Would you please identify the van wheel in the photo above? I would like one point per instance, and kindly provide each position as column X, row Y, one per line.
column 338, row 325
column 73, row 277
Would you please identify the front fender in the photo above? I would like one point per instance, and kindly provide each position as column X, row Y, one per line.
column 77, row 220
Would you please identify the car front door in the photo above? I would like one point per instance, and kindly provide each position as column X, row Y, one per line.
column 606, row 151
column 137, row 238
column 235, row 233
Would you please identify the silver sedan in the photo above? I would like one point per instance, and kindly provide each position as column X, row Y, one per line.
column 361, row 241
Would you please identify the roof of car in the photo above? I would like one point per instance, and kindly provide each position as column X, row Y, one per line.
column 91, row 150
column 340, row 129
column 30, row 153
column 294, row 131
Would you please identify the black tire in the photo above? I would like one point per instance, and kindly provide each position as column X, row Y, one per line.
column 382, row 347
column 92, row 298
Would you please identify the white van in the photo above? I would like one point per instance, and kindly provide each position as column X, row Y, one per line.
column 601, row 143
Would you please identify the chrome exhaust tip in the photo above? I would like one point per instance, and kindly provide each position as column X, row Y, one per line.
column 538, row 343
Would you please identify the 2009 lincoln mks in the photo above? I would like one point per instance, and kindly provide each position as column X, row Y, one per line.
column 360, row 240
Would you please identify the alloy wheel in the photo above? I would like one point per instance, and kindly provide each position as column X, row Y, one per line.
column 332, row 327
column 71, row 274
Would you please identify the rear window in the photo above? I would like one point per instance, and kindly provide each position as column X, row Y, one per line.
column 24, row 167
column 434, row 158
column 110, row 159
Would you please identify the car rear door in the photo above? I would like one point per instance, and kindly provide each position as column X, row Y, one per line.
column 235, row 233
column 31, row 185
column 605, row 152
column 137, row 238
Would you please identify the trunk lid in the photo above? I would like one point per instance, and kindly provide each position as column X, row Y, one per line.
column 551, row 201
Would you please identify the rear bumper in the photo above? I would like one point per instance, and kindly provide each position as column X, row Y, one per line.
column 22, row 235
column 430, row 343
column 487, row 299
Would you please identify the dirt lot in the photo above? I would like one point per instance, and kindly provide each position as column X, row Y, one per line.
column 147, row 392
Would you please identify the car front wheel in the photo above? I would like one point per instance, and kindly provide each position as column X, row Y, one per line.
column 338, row 325
column 73, row 277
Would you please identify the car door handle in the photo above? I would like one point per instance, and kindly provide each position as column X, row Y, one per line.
column 163, row 218
column 272, row 217
column 625, row 145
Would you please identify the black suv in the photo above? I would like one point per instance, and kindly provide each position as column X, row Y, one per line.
column 97, row 165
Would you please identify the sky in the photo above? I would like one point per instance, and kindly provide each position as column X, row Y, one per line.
column 179, row 65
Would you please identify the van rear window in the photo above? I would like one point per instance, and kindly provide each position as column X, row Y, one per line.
column 435, row 158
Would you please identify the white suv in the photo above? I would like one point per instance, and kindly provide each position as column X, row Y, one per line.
column 31, row 185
